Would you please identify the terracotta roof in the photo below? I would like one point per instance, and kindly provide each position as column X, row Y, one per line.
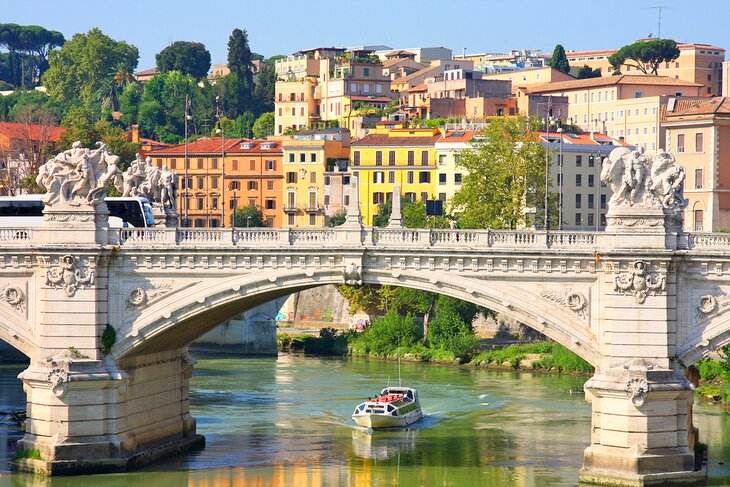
column 455, row 136
column 50, row 133
column 697, row 106
column 212, row 145
column 412, row 76
column 148, row 72
column 386, row 140
column 584, row 138
column 421, row 87
column 624, row 79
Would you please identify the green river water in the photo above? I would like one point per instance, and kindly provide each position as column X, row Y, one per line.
column 286, row 422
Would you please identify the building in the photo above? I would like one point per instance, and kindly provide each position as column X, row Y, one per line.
column 423, row 55
column 209, row 191
column 609, row 104
column 307, row 157
column 23, row 148
column 503, row 62
column 389, row 157
column 575, row 173
column 449, row 175
column 295, row 106
column 697, row 63
column 524, row 78
column 146, row 75
column 698, row 135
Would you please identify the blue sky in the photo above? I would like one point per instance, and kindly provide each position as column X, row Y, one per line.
column 282, row 27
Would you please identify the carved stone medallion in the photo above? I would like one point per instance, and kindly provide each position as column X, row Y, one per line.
column 69, row 276
column 636, row 389
column 141, row 296
column 639, row 282
column 574, row 301
column 14, row 297
column 353, row 276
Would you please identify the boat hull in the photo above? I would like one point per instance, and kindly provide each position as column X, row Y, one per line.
column 379, row 421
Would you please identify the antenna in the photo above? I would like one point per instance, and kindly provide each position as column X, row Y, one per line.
column 659, row 9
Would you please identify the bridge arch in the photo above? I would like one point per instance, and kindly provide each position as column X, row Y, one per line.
column 14, row 335
column 177, row 320
column 707, row 338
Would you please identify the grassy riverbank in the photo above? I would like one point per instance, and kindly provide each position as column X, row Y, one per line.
column 547, row 356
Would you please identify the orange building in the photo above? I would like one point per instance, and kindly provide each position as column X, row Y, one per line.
column 698, row 135
column 208, row 191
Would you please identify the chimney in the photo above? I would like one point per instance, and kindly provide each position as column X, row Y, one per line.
column 135, row 133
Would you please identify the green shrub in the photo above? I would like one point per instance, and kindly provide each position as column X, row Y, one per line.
column 108, row 339
column 386, row 333
column 710, row 370
column 32, row 454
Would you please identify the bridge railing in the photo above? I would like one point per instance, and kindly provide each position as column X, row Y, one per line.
column 708, row 241
column 16, row 235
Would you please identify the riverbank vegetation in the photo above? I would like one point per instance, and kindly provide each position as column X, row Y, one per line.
column 715, row 377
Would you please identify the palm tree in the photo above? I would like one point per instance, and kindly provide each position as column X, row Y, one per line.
column 117, row 79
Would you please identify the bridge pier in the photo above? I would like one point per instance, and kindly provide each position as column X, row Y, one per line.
column 89, row 416
column 641, row 415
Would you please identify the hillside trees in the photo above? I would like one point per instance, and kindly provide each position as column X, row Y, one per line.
column 79, row 69
column 28, row 48
column 187, row 57
column 560, row 60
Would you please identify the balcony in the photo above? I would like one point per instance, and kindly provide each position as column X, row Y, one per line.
column 290, row 208
column 313, row 208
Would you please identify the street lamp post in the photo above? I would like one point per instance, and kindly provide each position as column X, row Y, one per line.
column 548, row 118
column 560, row 178
column 187, row 199
column 219, row 109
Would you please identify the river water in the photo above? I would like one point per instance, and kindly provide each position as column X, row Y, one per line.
column 286, row 422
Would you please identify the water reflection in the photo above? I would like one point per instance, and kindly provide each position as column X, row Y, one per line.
column 286, row 421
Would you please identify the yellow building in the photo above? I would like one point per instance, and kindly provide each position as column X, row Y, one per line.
column 386, row 158
column 697, row 63
column 449, row 174
column 294, row 105
column 306, row 158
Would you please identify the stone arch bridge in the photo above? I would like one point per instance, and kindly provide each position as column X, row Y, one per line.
column 639, row 308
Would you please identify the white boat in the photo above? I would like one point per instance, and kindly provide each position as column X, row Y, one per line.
column 395, row 407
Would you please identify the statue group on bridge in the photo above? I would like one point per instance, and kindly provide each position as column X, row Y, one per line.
column 644, row 180
column 80, row 176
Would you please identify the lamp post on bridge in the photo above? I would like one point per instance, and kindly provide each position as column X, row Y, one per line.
column 219, row 109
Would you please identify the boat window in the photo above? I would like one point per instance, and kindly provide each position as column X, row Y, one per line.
column 409, row 394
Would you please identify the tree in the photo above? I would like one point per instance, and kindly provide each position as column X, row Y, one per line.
column 264, row 125
column 560, row 60
column 263, row 93
column 505, row 176
column 81, row 124
column 586, row 72
column 187, row 57
column 337, row 219
column 248, row 216
column 80, row 68
column 238, row 86
column 646, row 55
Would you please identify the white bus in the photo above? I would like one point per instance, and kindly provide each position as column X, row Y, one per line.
column 26, row 211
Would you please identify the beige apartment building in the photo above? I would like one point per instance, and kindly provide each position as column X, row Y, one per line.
column 626, row 106
column 294, row 105
column 529, row 77
column 697, row 63
column 576, row 177
column 698, row 135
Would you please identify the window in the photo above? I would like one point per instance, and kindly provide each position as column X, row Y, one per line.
column 591, row 181
column 270, row 185
column 252, row 185
column 200, row 163
column 578, row 161
column 290, row 219
column 578, row 219
column 457, row 179
column 378, row 197
column 590, row 220
column 252, row 165
column 378, row 158
column 378, row 177
column 578, row 200
column 302, row 157
column 698, row 178
column 356, row 158
column 199, row 222
column 698, row 220
column 442, row 178
column 201, row 203
column 214, row 182
column 590, row 201
column 699, row 142
column 424, row 196
column 366, row 72
column 312, row 177
column 411, row 158
column 424, row 158
column 578, row 180
column 173, row 164
column 201, row 182
column 638, row 94
column 271, row 165
column 292, row 157
column 312, row 219
column 680, row 142
column 409, row 196
column 391, row 177
column 409, row 177
column 235, row 185
column 391, row 158
column 603, row 201
column 214, row 203
column 270, row 204
column 312, row 157
column 424, row 177
column 291, row 177
column 187, row 163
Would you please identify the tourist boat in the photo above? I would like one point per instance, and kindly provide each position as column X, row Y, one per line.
column 395, row 407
